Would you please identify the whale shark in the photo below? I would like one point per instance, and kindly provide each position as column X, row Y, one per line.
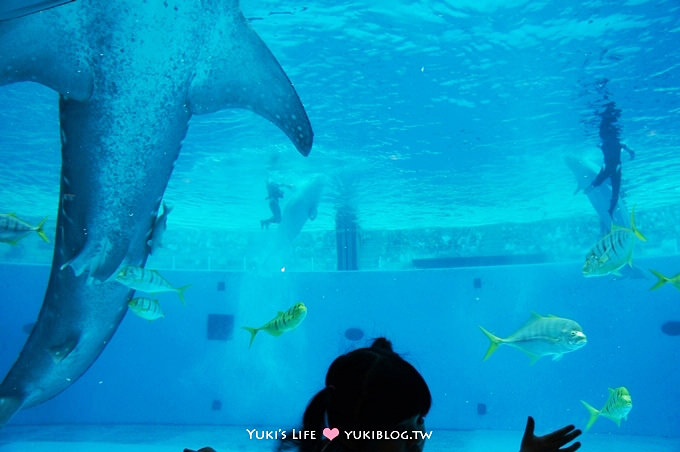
column 301, row 206
column 129, row 75
column 273, row 248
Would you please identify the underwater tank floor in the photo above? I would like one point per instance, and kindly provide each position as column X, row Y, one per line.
column 174, row 438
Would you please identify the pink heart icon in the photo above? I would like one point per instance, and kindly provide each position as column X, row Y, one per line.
column 331, row 433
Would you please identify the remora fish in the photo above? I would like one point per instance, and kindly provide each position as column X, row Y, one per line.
column 146, row 308
column 129, row 75
column 284, row 321
column 159, row 227
column 149, row 281
column 617, row 407
column 542, row 336
column 613, row 251
column 675, row 280
column 13, row 229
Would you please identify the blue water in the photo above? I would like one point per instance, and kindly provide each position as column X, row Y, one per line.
column 433, row 113
column 181, row 371
column 440, row 123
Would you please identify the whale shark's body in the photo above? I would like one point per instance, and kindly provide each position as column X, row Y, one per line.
column 301, row 206
column 129, row 76
column 272, row 249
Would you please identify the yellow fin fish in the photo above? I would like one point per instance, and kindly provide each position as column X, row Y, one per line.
column 284, row 321
column 613, row 251
column 146, row 308
column 13, row 229
column 541, row 336
column 675, row 280
column 617, row 407
column 149, row 281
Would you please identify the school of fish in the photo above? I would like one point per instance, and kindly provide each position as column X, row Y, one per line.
column 540, row 336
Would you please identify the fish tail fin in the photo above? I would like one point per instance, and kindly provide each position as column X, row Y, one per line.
column 253, row 332
column 180, row 293
column 495, row 342
column 662, row 280
column 39, row 230
column 637, row 233
column 594, row 413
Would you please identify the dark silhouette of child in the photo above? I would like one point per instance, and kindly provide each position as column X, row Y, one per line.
column 375, row 389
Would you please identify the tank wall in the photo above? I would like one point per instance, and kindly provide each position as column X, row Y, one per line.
column 194, row 366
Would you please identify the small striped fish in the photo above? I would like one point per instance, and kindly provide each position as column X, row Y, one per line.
column 149, row 281
column 13, row 229
column 146, row 308
column 542, row 336
column 617, row 407
column 613, row 251
column 284, row 321
column 675, row 280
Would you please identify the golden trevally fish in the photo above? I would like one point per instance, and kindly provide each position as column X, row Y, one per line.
column 675, row 280
column 13, row 229
column 542, row 336
column 149, row 281
column 613, row 251
column 146, row 308
column 617, row 407
column 284, row 321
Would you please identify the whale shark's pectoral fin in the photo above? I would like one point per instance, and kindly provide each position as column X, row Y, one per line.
column 95, row 260
column 43, row 48
column 239, row 71
column 12, row 10
column 60, row 351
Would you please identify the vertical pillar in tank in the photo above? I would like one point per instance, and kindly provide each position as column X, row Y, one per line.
column 347, row 238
